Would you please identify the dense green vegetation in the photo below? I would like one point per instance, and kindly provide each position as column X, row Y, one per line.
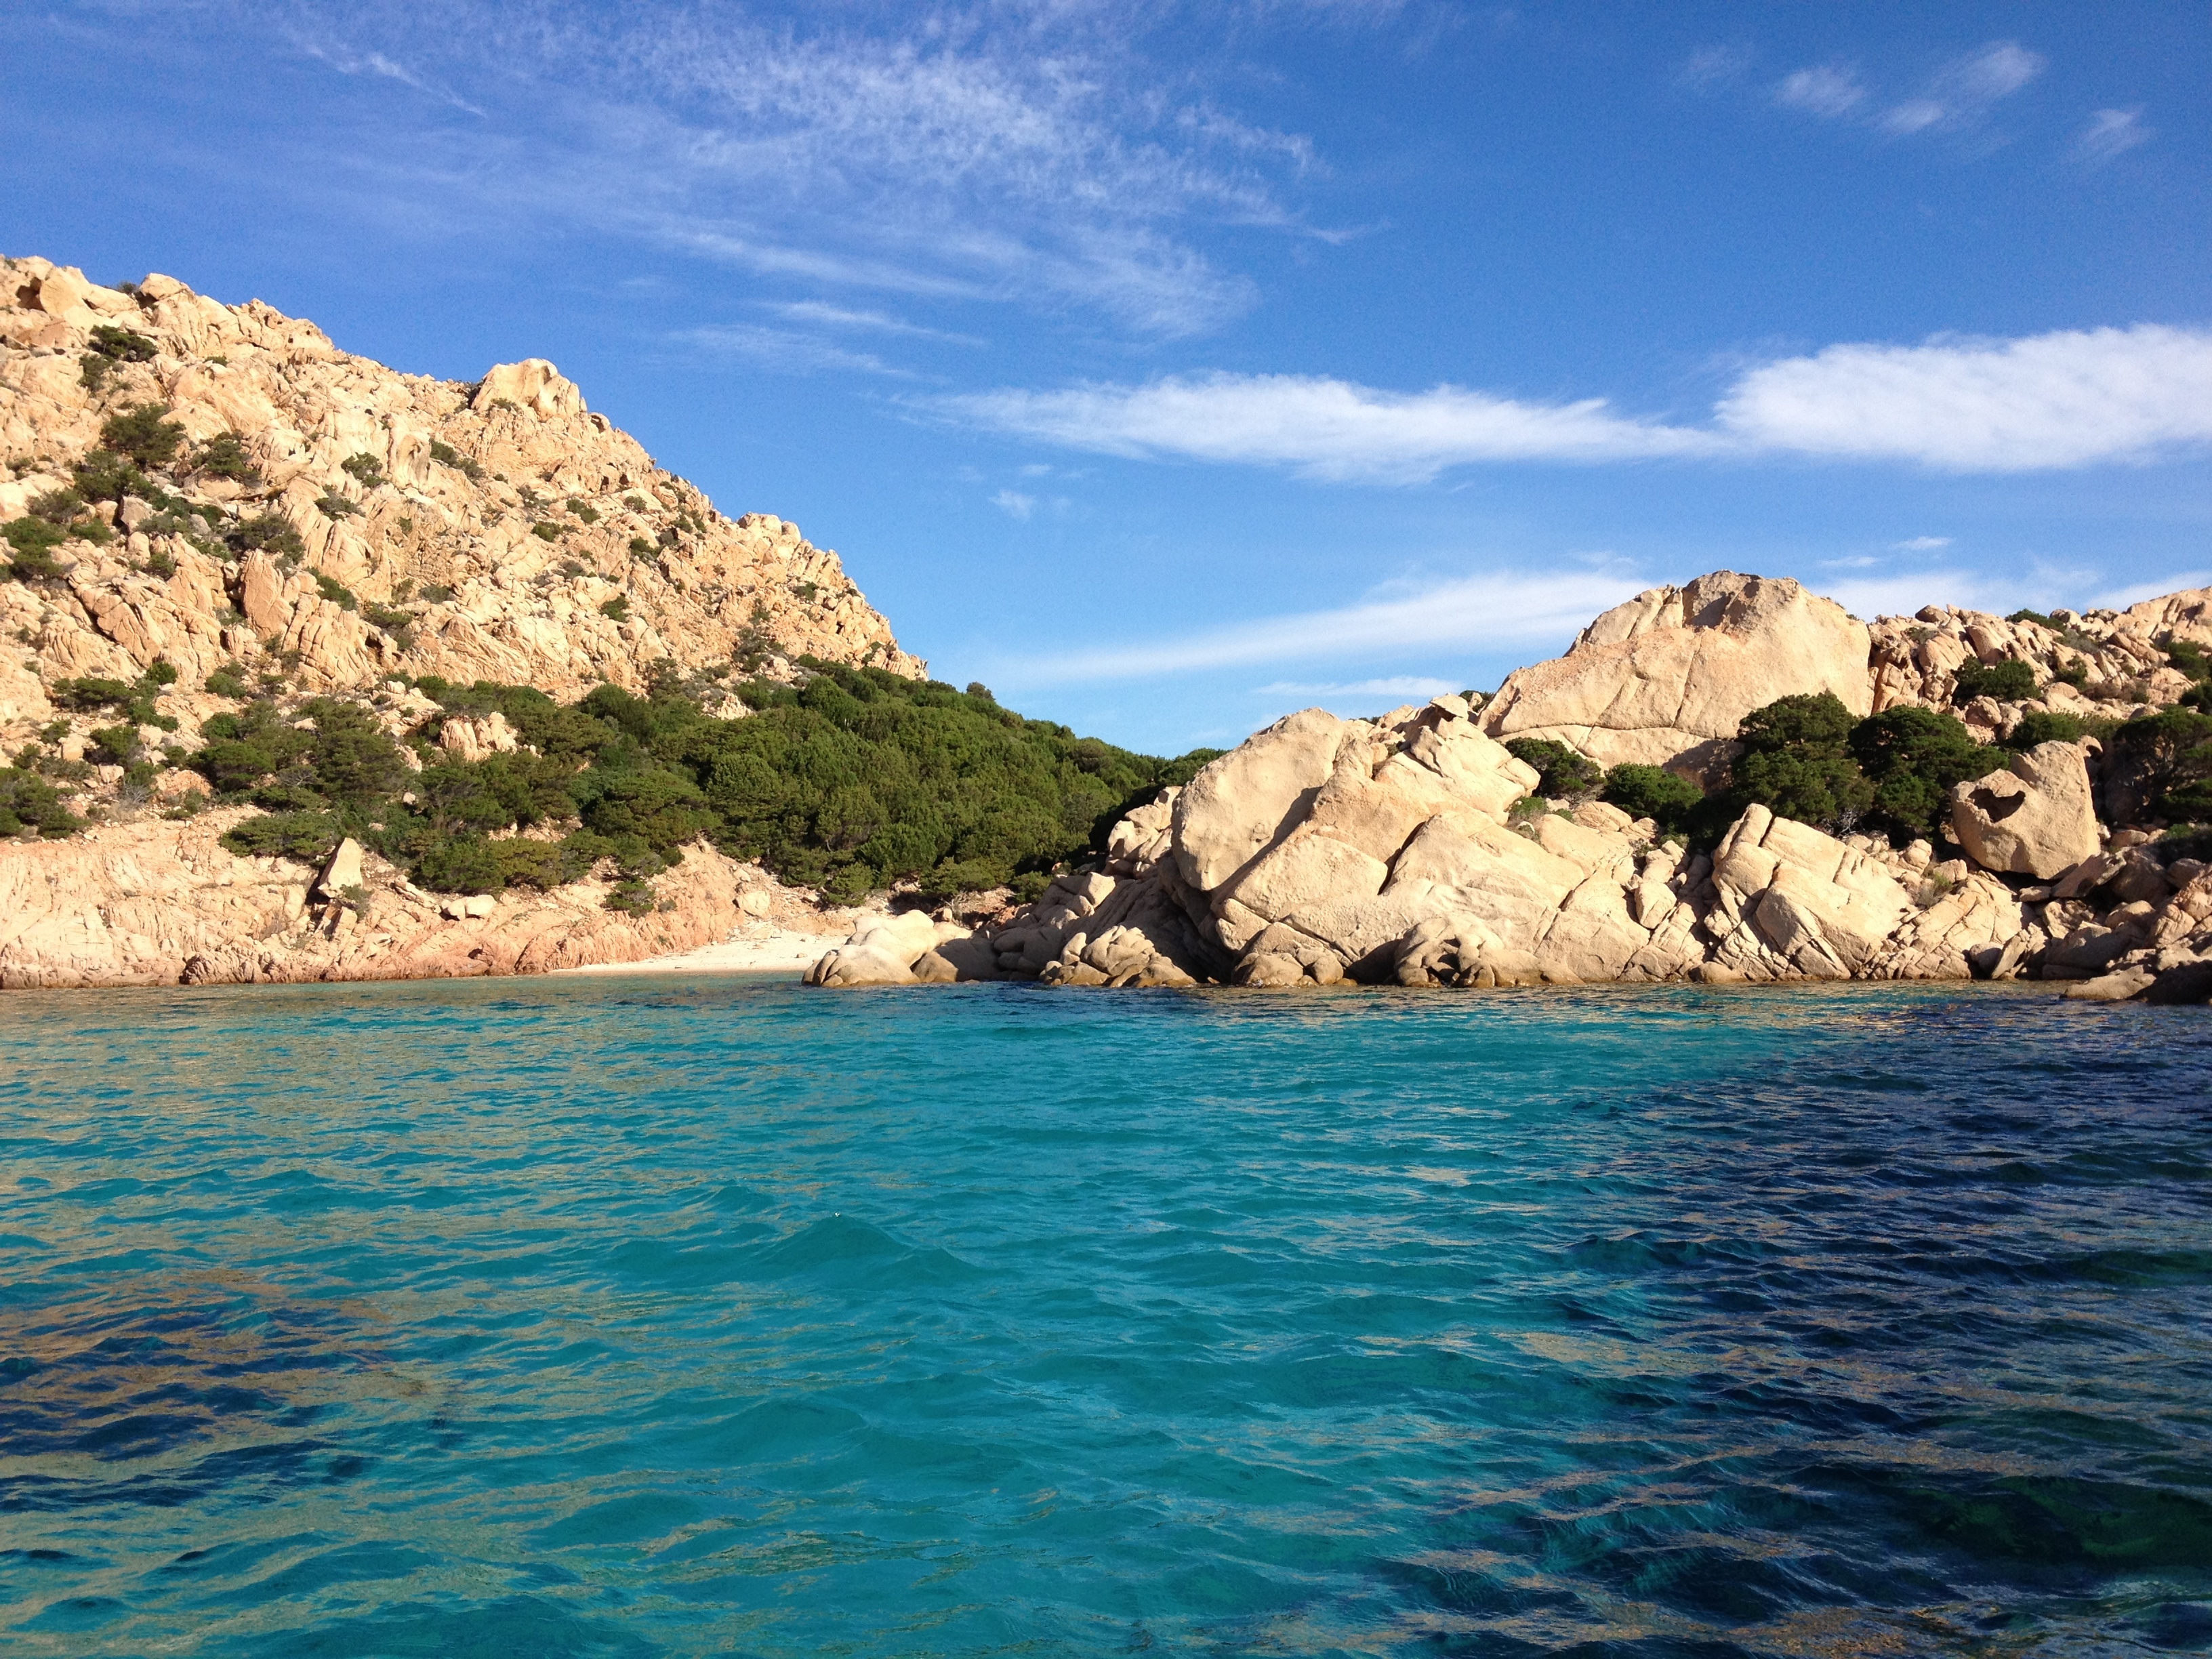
column 1804, row 757
column 859, row 779
column 1560, row 771
column 2010, row 681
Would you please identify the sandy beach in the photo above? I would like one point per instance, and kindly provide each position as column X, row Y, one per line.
column 779, row 952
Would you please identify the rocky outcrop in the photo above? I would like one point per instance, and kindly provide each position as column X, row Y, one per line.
column 1407, row 851
column 496, row 530
column 1665, row 679
column 160, row 903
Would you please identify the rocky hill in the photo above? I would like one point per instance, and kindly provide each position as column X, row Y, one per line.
column 262, row 498
column 210, row 508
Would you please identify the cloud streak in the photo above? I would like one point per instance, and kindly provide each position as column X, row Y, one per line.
column 2048, row 402
column 1473, row 614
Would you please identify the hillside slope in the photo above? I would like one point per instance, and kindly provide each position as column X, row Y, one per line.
column 263, row 498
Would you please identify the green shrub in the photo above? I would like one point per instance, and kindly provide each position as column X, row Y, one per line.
column 642, row 548
column 1560, row 771
column 142, row 435
column 364, row 469
column 134, row 698
column 618, row 609
column 445, row 455
column 1795, row 760
column 588, row 514
column 2185, row 654
column 228, row 681
column 33, row 541
column 115, row 745
column 59, row 506
column 121, row 345
column 2050, row 725
column 546, row 532
column 2075, row 673
column 29, row 802
column 266, row 532
column 332, row 505
column 336, row 592
column 2158, row 769
column 2010, row 681
column 225, row 456
column 1652, row 791
column 1913, row 757
column 104, row 475
column 309, row 836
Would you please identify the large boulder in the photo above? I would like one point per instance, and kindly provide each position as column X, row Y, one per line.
column 1665, row 679
column 1243, row 803
column 883, row 951
column 2038, row 818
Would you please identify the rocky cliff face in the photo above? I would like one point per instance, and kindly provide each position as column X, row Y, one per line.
column 497, row 530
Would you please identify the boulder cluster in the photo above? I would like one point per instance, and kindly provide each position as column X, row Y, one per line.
column 1413, row 850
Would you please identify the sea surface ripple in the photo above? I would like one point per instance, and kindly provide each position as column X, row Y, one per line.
column 644, row 1316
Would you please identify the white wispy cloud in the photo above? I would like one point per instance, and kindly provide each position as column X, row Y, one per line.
column 2109, row 132
column 785, row 351
column 2049, row 401
column 1714, row 66
column 1020, row 151
column 1829, row 90
column 1920, row 544
column 1324, row 428
column 1014, row 504
column 2058, row 400
column 1473, row 613
column 1964, row 90
column 1406, row 687
column 819, row 313
column 1959, row 96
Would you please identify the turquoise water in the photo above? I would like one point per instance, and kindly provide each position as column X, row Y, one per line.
column 640, row 1316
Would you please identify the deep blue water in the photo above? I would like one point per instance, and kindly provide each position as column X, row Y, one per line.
column 641, row 1316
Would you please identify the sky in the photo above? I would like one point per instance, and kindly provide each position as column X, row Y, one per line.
column 1168, row 367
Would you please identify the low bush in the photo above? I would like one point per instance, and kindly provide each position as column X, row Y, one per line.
column 134, row 698
column 266, row 532
column 1560, row 771
column 230, row 681
column 2010, row 681
column 445, row 455
column 364, row 469
column 1669, row 800
column 33, row 541
column 29, row 803
column 587, row 514
column 121, row 345
column 331, row 505
column 225, row 456
column 144, row 435
column 2049, row 726
column 546, row 532
column 336, row 592
column 616, row 609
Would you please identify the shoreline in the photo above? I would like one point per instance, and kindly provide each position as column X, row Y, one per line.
column 778, row 952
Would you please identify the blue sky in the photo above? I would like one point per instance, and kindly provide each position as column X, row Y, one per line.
column 1169, row 367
